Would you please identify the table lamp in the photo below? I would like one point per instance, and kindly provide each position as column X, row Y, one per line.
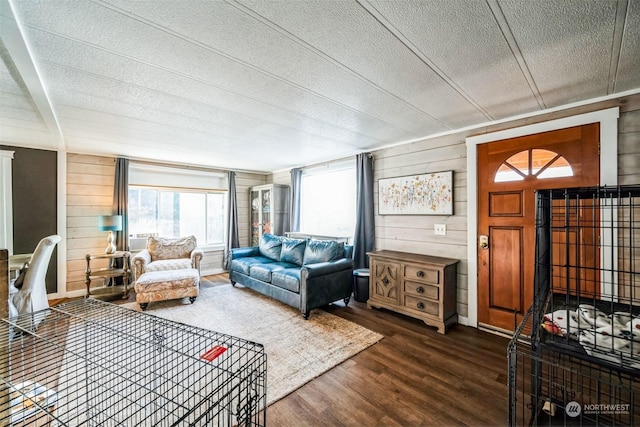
column 110, row 223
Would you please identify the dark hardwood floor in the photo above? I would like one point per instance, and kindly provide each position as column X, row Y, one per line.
column 413, row 377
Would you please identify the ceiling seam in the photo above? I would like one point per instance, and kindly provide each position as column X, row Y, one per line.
column 501, row 20
column 622, row 9
column 108, row 130
column 97, row 76
column 204, row 133
column 194, row 79
column 239, row 61
column 420, row 55
column 262, row 19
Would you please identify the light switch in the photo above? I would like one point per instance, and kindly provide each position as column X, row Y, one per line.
column 440, row 229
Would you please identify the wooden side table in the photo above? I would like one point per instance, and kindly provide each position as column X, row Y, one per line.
column 107, row 273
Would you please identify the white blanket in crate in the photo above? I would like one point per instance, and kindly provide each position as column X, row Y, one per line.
column 614, row 337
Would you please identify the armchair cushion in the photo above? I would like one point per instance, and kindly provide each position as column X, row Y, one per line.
column 165, row 254
column 165, row 248
column 169, row 264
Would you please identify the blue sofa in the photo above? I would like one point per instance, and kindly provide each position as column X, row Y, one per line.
column 305, row 274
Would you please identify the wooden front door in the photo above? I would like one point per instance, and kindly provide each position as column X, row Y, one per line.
column 509, row 172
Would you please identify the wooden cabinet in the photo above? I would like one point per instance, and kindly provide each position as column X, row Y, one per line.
column 420, row 286
column 269, row 211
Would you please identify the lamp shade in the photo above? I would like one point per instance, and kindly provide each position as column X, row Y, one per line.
column 110, row 222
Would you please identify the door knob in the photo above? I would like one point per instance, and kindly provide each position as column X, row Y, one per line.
column 483, row 242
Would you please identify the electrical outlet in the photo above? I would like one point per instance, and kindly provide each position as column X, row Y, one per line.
column 440, row 229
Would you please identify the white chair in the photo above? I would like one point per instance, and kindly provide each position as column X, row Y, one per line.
column 32, row 296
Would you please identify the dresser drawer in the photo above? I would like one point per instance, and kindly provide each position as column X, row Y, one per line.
column 422, row 290
column 415, row 272
column 422, row 305
column 420, row 286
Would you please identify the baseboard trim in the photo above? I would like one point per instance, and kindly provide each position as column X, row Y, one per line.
column 495, row 331
column 462, row 320
column 70, row 294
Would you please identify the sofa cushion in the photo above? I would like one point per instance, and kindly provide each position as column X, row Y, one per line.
column 289, row 279
column 243, row 265
column 165, row 248
column 263, row 271
column 293, row 251
column 270, row 246
column 322, row 251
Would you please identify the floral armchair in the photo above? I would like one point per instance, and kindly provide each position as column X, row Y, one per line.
column 164, row 254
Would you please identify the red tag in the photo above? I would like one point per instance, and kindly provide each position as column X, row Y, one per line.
column 213, row 352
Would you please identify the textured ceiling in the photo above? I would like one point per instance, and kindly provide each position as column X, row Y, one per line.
column 268, row 85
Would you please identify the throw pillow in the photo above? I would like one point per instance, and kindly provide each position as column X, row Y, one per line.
column 293, row 251
column 270, row 246
column 322, row 251
column 165, row 248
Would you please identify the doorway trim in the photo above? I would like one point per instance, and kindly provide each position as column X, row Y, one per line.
column 608, row 120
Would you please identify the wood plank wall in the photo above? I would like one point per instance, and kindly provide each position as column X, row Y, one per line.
column 629, row 145
column 629, row 173
column 90, row 194
column 415, row 233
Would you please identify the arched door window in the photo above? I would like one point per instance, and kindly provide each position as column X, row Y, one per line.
column 536, row 163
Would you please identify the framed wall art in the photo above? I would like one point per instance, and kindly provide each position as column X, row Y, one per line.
column 426, row 194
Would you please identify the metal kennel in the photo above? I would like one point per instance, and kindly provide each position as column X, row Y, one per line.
column 575, row 357
column 92, row 363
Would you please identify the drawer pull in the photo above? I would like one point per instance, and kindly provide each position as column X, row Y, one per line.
column 420, row 273
column 421, row 305
column 420, row 290
column 385, row 281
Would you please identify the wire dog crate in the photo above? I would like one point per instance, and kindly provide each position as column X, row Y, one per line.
column 554, row 388
column 91, row 363
column 581, row 362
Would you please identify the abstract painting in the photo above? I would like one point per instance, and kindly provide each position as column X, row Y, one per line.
column 426, row 194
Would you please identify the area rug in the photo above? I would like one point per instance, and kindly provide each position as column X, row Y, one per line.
column 297, row 350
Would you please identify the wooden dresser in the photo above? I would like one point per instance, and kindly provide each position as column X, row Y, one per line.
column 420, row 286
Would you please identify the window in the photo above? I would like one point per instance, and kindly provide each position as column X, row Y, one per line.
column 328, row 201
column 176, row 213
column 535, row 162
